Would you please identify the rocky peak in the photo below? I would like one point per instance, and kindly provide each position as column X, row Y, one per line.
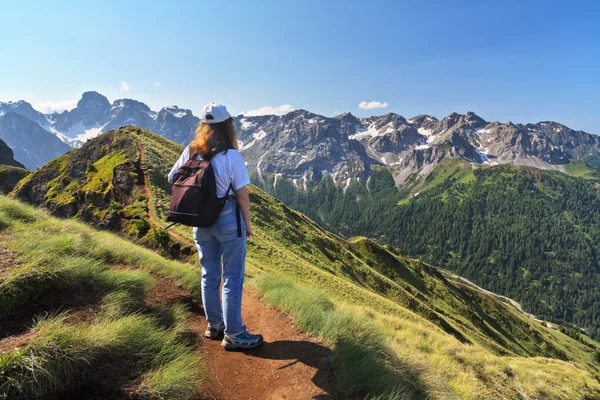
column 424, row 121
column 93, row 100
column 129, row 103
column 348, row 118
column 474, row 120
column 23, row 108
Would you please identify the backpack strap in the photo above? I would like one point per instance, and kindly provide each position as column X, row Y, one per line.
column 238, row 219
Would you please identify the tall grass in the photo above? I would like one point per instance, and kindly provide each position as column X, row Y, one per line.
column 61, row 254
column 381, row 355
column 61, row 355
column 363, row 363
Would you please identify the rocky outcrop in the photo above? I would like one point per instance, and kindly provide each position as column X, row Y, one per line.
column 92, row 182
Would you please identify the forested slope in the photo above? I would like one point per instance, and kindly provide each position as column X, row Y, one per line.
column 529, row 234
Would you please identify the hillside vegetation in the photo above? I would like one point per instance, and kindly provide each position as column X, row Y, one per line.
column 529, row 234
column 397, row 327
column 78, row 315
column 10, row 176
column 451, row 340
column 103, row 183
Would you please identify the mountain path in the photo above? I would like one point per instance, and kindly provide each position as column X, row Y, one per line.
column 288, row 365
column 148, row 193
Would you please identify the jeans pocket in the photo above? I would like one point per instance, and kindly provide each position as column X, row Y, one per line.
column 227, row 225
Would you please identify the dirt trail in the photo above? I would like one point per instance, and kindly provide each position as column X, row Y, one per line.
column 148, row 193
column 289, row 365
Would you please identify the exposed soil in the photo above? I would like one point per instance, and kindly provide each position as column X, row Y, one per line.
column 82, row 303
column 8, row 261
column 164, row 292
column 289, row 365
column 8, row 344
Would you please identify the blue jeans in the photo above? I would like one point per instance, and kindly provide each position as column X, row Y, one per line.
column 221, row 241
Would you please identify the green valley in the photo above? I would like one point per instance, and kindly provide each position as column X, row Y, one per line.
column 529, row 234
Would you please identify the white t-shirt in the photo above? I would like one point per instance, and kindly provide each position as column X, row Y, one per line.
column 229, row 168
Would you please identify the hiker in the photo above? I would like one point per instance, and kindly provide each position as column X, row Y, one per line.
column 222, row 246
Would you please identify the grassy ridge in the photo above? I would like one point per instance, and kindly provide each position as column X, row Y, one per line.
column 451, row 340
column 61, row 354
column 102, row 183
column 432, row 338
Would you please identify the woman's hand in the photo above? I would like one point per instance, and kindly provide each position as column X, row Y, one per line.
column 243, row 199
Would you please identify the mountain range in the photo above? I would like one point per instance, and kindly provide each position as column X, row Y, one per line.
column 303, row 146
column 23, row 128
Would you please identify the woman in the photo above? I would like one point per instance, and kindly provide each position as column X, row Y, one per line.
column 216, row 141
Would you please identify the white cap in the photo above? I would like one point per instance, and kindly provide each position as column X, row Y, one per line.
column 218, row 112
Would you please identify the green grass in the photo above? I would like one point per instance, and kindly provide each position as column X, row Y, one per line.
column 99, row 178
column 456, row 170
column 60, row 256
column 448, row 340
column 454, row 340
column 581, row 169
column 363, row 363
column 62, row 356
column 86, row 189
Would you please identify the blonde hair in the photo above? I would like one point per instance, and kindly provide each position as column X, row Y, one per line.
column 214, row 138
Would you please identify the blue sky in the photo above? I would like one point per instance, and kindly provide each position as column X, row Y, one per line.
column 523, row 61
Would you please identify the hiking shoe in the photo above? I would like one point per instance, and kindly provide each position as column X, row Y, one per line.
column 213, row 331
column 241, row 340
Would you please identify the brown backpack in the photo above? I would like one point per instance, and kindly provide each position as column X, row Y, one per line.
column 194, row 200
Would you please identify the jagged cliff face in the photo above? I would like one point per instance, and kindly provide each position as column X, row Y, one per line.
column 291, row 144
column 11, row 171
column 7, row 156
column 301, row 146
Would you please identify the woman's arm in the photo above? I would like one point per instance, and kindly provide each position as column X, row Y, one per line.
column 243, row 200
column 185, row 155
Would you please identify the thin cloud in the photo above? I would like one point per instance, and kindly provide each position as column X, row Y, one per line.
column 157, row 84
column 124, row 86
column 49, row 107
column 372, row 105
column 268, row 110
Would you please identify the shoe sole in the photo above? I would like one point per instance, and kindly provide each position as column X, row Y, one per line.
column 233, row 346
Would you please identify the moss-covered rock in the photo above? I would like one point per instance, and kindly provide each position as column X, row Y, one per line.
column 10, row 176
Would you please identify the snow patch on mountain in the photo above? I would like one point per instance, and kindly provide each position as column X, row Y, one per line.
column 176, row 111
column 259, row 135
